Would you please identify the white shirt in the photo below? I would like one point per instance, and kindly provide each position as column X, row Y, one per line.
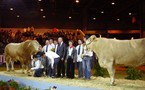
column 51, row 46
column 51, row 56
column 37, row 65
column 88, row 53
column 61, row 44
column 79, row 57
column 56, row 48
column 48, row 48
column 70, row 51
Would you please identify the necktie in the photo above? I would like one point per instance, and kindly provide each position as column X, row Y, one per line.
column 46, row 48
column 79, row 50
column 58, row 48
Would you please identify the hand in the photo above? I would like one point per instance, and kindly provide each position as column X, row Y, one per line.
column 51, row 67
column 31, row 69
column 73, row 61
column 62, row 59
column 82, row 56
column 65, row 61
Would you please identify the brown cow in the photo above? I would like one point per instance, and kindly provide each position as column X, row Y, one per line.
column 22, row 52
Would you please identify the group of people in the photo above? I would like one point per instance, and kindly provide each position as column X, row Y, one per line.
column 58, row 60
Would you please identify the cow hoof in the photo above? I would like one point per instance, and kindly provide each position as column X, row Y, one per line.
column 113, row 84
column 13, row 70
column 8, row 70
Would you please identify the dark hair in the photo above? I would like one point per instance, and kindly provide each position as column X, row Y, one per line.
column 86, row 36
column 34, row 56
column 51, row 39
column 42, row 53
column 71, row 41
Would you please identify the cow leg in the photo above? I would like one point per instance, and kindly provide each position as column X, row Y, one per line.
column 23, row 66
column 7, row 63
column 12, row 64
column 111, row 71
column 28, row 67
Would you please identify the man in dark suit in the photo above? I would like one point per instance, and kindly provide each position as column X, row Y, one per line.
column 61, row 51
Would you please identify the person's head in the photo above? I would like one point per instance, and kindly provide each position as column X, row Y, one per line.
column 42, row 54
column 55, row 42
column 47, row 42
column 80, row 42
column 70, row 42
column 85, row 38
column 60, row 39
column 35, row 57
column 51, row 41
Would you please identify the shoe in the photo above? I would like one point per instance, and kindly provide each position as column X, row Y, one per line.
column 57, row 76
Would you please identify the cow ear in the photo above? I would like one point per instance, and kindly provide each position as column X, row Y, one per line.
column 93, row 37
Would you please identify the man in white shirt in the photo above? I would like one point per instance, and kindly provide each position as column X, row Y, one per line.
column 80, row 50
column 46, row 47
column 52, row 46
column 87, row 57
column 37, row 66
column 52, row 60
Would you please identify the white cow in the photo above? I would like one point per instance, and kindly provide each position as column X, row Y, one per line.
column 111, row 52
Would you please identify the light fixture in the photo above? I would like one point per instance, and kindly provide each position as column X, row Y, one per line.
column 18, row 16
column 77, row 1
column 94, row 18
column 113, row 3
column 11, row 9
column 44, row 16
column 129, row 13
column 39, row 0
column 69, row 17
column 118, row 19
column 102, row 11
column 41, row 10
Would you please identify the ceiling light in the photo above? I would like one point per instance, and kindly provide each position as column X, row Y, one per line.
column 11, row 9
column 94, row 18
column 77, row 1
column 69, row 17
column 129, row 13
column 18, row 16
column 113, row 3
column 39, row 0
column 44, row 16
column 102, row 11
column 41, row 10
column 118, row 19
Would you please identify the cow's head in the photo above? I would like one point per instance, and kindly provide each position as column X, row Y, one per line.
column 33, row 47
column 89, row 41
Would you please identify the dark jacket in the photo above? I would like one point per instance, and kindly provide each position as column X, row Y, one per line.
column 62, row 50
column 73, row 55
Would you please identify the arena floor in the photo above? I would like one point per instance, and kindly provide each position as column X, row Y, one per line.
column 95, row 82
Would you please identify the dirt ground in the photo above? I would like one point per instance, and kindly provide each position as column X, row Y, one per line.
column 95, row 82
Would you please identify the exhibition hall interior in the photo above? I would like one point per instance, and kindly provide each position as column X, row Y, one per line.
column 72, row 44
